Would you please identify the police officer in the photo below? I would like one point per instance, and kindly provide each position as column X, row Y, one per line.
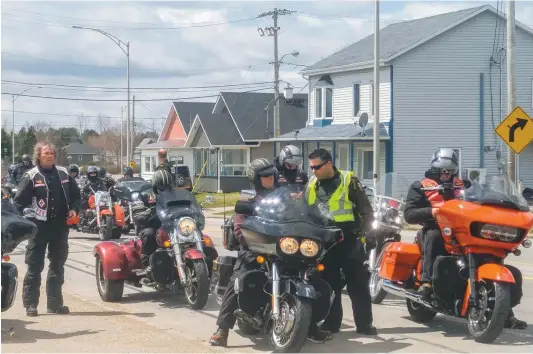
column 288, row 164
column 54, row 196
column 23, row 167
column 421, row 207
column 353, row 214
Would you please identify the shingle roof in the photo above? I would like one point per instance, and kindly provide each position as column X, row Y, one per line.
column 255, row 122
column 187, row 112
column 220, row 129
column 172, row 143
column 81, row 149
column 335, row 132
column 393, row 39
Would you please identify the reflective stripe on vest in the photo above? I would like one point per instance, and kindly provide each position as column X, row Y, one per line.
column 339, row 203
column 434, row 197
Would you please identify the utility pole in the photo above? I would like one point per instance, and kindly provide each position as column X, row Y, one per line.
column 511, row 82
column 273, row 32
column 121, row 136
column 376, row 100
column 132, row 128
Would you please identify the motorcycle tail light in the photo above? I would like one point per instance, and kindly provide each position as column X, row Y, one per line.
column 163, row 238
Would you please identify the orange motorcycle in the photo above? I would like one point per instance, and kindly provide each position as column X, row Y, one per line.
column 480, row 227
column 104, row 217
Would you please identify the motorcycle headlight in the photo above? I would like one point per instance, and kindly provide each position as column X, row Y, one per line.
column 288, row 245
column 135, row 196
column 186, row 226
column 498, row 232
column 309, row 248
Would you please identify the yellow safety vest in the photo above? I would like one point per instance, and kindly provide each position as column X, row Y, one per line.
column 339, row 204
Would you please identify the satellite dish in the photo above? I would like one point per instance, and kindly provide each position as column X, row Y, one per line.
column 363, row 120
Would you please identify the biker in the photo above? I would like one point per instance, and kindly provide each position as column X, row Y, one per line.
column 106, row 177
column 23, row 167
column 262, row 175
column 93, row 184
column 288, row 163
column 423, row 206
column 74, row 171
column 11, row 175
column 128, row 176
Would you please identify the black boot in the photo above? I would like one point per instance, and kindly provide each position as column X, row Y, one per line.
column 367, row 330
column 61, row 310
column 219, row 338
column 31, row 311
column 319, row 335
column 514, row 323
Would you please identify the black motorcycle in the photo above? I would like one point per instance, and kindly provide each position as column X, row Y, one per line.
column 135, row 196
column 15, row 230
column 285, row 293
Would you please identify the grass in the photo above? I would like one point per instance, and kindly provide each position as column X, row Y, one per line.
column 230, row 199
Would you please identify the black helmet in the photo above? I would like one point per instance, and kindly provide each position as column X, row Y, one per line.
column 128, row 171
column 74, row 168
column 92, row 173
column 162, row 180
column 445, row 159
column 26, row 159
column 259, row 168
column 102, row 172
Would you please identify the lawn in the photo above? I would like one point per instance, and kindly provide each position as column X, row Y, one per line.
column 230, row 199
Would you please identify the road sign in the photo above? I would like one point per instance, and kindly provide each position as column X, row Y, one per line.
column 516, row 130
column 132, row 164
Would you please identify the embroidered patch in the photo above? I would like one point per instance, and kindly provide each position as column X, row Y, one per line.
column 64, row 181
column 40, row 185
column 42, row 203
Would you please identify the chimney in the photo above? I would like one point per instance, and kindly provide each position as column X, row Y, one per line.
column 288, row 92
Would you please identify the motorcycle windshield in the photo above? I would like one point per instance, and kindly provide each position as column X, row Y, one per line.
column 499, row 191
column 15, row 229
column 176, row 203
column 135, row 186
column 287, row 213
column 389, row 204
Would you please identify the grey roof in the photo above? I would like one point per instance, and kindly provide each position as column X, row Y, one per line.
column 394, row 38
column 255, row 122
column 220, row 129
column 335, row 132
column 81, row 149
column 146, row 141
column 187, row 112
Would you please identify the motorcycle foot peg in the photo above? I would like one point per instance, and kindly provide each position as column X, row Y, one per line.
column 145, row 282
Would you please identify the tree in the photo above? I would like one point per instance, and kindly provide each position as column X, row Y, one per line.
column 6, row 144
column 83, row 121
column 88, row 133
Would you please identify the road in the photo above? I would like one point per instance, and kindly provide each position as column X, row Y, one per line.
column 157, row 322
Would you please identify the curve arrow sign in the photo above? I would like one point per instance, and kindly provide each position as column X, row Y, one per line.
column 520, row 123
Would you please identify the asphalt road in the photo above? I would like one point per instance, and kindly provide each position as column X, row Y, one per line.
column 147, row 321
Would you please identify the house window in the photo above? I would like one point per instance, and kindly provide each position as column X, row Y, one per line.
column 318, row 103
column 367, row 164
column 371, row 103
column 342, row 155
column 80, row 157
column 329, row 102
column 234, row 162
column 356, row 99
column 147, row 164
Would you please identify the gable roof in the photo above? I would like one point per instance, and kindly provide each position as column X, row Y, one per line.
column 253, row 113
column 81, row 149
column 396, row 39
column 218, row 128
column 186, row 112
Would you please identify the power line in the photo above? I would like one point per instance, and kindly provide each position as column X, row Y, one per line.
column 69, row 115
column 122, row 100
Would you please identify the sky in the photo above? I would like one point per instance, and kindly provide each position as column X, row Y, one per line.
column 178, row 51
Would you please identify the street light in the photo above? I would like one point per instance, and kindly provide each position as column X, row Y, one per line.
column 277, row 64
column 15, row 97
column 121, row 44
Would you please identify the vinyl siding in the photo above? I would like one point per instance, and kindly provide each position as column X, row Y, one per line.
column 436, row 97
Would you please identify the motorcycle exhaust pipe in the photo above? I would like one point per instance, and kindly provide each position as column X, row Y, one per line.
column 389, row 287
column 372, row 259
column 275, row 290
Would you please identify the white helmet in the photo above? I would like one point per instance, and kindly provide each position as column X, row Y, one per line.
column 445, row 159
column 290, row 154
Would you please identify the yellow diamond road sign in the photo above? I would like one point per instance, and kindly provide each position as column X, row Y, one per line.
column 132, row 164
column 516, row 130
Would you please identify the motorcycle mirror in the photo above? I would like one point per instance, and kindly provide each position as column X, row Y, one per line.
column 244, row 207
column 210, row 199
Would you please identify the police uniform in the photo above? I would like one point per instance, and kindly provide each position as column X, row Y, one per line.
column 353, row 214
column 51, row 194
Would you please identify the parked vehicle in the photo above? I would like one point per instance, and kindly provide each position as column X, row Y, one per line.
column 480, row 228
column 182, row 177
column 181, row 263
column 286, row 293
column 15, row 230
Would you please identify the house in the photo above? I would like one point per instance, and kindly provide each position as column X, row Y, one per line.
column 81, row 154
column 440, row 86
column 218, row 140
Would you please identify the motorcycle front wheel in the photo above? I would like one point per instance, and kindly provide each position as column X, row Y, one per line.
column 197, row 286
column 377, row 294
column 289, row 331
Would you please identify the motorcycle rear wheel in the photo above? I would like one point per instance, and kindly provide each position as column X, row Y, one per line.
column 109, row 290
column 377, row 294
column 289, row 332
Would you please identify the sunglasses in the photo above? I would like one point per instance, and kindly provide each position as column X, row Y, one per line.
column 445, row 172
column 317, row 167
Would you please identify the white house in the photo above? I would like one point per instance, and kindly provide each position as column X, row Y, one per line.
column 440, row 86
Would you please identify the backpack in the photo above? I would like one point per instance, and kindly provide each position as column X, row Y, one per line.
column 229, row 240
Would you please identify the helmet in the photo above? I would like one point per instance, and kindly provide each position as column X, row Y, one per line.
column 162, row 180
column 92, row 173
column 290, row 154
column 259, row 168
column 26, row 158
column 128, row 171
column 102, row 172
column 445, row 159
column 74, row 168
column 12, row 169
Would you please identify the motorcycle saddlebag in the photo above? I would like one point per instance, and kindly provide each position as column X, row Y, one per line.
column 399, row 261
column 222, row 272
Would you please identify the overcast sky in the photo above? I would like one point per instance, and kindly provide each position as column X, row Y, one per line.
column 175, row 45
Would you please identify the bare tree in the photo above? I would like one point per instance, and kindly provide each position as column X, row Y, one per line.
column 43, row 130
column 83, row 121
column 103, row 126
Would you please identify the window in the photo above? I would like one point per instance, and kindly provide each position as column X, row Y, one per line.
column 318, row 103
column 147, row 164
column 329, row 102
column 80, row 157
column 368, row 164
column 342, row 155
column 234, row 162
column 371, row 95
column 356, row 99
